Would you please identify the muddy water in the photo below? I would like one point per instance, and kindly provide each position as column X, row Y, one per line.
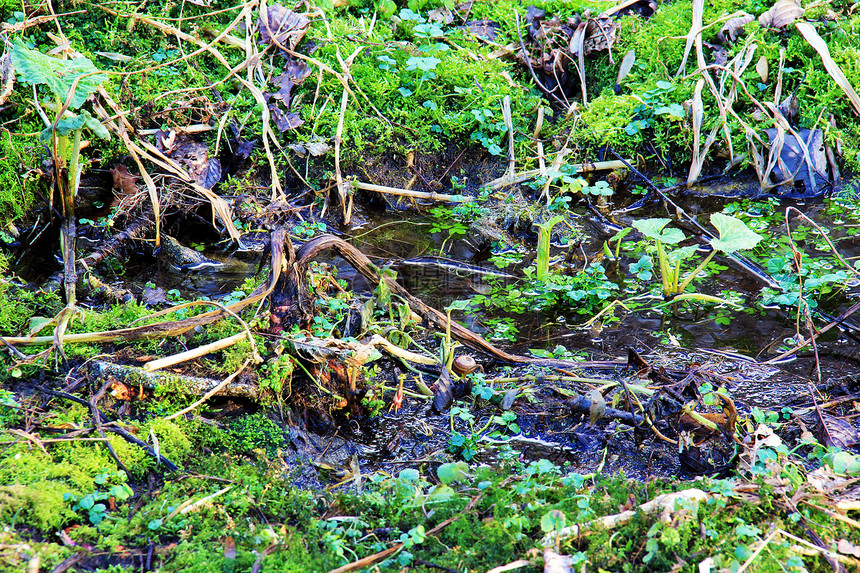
column 690, row 338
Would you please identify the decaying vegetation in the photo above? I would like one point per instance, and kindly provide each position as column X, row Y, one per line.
column 499, row 277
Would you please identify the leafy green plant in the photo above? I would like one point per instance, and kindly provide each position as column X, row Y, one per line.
column 455, row 221
column 91, row 503
column 582, row 292
column 656, row 103
column 70, row 83
column 734, row 235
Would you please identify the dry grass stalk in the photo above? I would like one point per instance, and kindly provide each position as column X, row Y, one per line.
column 198, row 352
column 210, row 393
column 531, row 173
column 412, row 194
column 811, row 36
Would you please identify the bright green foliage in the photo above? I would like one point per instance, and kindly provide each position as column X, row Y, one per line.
column 59, row 75
column 734, row 235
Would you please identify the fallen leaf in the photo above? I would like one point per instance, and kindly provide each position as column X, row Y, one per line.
column 153, row 296
column 229, row 547
column 847, row 548
column 598, row 406
column 441, row 15
column 443, row 394
column 509, row 398
column 781, row 14
column 836, row 432
column 761, row 68
column 485, row 28
column 211, row 174
column 114, row 56
column 734, row 27
column 820, row 46
column 285, row 120
column 282, row 26
column 164, row 140
column 123, row 181
column 555, row 563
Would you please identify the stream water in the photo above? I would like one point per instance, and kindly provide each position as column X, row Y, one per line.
column 729, row 343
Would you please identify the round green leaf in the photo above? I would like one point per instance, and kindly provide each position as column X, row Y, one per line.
column 734, row 234
column 452, row 472
column 653, row 229
column 554, row 520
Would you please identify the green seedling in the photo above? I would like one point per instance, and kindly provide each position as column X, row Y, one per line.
column 71, row 82
column 734, row 235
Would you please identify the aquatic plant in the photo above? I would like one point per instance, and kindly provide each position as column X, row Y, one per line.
column 734, row 235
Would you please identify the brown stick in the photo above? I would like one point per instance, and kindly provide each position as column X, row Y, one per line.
column 363, row 265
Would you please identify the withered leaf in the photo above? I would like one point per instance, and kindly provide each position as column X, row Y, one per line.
column 509, row 398
column 833, row 431
column 734, row 27
column 847, row 548
column 556, row 563
column 720, row 54
column 211, row 174
column 316, row 147
column 229, row 547
column 761, row 68
column 164, row 141
column 244, row 149
column 194, row 158
column 781, row 14
column 485, row 28
column 442, row 15
column 153, row 296
column 295, row 73
column 598, row 406
column 123, row 181
column 443, row 395
column 7, row 77
column 600, row 34
column 533, row 13
column 283, row 26
column 285, row 121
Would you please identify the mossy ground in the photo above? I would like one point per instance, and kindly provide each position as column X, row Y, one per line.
column 231, row 507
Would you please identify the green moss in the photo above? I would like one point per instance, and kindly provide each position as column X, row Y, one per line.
column 18, row 187
column 257, row 431
column 36, row 482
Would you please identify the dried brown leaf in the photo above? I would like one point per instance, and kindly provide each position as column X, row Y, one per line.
column 279, row 25
column 781, row 14
column 285, row 120
column 833, row 431
column 761, row 68
column 808, row 32
column 123, row 181
column 847, row 548
column 734, row 27
column 229, row 547
column 7, row 77
column 443, row 394
column 442, row 15
column 483, row 28
column 556, row 563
